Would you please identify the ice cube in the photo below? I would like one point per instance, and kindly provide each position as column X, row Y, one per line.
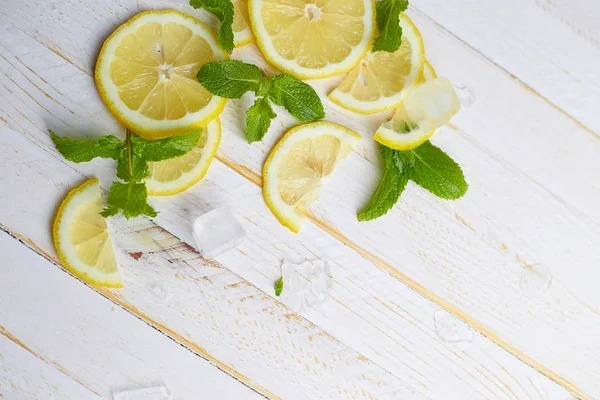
column 450, row 329
column 535, row 279
column 151, row 393
column 431, row 104
column 465, row 95
column 217, row 232
column 305, row 285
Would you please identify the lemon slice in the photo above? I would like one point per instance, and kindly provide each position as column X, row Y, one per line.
column 297, row 166
column 177, row 174
column 81, row 237
column 313, row 38
column 428, row 72
column 424, row 109
column 242, row 34
column 378, row 81
column 146, row 74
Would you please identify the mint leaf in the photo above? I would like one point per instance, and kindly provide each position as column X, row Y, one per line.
column 390, row 188
column 131, row 167
column 222, row 9
column 258, row 119
column 229, row 78
column 388, row 24
column 299, row 98
column 163, row 149
column 85, row 150
column 279, row 286
column 435, row 171
column 130, row 198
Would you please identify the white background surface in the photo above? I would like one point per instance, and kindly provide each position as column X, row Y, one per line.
column 529, row 148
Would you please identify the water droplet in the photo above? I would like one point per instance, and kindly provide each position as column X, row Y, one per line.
column 450, row 329
column 159, row 291
column 535, row 279
column 465, row 95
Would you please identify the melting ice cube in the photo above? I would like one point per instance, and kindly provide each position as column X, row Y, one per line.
column 306, row 284
column 431, row 104
column 466, row 96
column 152, row 393
column 451, row 329
column 217, row 231
column 535, row 279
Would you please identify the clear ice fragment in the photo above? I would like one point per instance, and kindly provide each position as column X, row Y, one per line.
column 151, row 393
column 305, row 285
column 431, row 104
column 450, row 329
column 535, row 279
column 217, row 232
column 159, row 291
column 465, row 95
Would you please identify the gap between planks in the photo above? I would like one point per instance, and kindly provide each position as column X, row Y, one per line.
column 255, row 178
column 513, row 77
column 172, row 335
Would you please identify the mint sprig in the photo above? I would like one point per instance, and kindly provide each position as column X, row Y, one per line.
column 388, row 24
column 224, row 11
column 232, row 78
column 129, row 196
column 426, row 165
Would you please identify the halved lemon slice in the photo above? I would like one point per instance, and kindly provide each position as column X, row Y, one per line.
column 378, row 81
column 424, row 109
column 297, row 166
column 428, row 72
column 242, row 34
column 313, row 39
column 177, row 174
column 146, row 74
column 81, row 237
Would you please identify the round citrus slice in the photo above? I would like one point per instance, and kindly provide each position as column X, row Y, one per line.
column 81, row 237
column 146, row 74
column 378, row 81
column 313, row 39
column 242, row 34
column 297, row 166
column 424, row 109
column 177, row 174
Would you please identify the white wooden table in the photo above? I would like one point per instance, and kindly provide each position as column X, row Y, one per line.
column 214, row 330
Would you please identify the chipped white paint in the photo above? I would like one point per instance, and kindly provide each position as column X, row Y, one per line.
column 468, row 255
column 54, row 329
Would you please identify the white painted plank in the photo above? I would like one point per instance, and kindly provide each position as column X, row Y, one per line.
column 368, row 310
column 24, row 376
column 88, row 344
column 209, row 309
column 448, row 286
column 539, row 44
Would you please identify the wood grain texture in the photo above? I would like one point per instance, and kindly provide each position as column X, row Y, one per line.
column 552, row 46
column 90, row 347
column 168, row 289
column 468, row 256
column 24, row 376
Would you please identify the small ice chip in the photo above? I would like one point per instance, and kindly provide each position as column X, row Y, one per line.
column 151, row 393
column 217, row 232
column 306, row 285
column 535, row 280
column 450, row 329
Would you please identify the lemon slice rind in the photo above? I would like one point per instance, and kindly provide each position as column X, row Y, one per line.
column 287, row 215
column 193, row 176
column 290, row 66
column 349, row 102
column 67, row 213
column 134, row 120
